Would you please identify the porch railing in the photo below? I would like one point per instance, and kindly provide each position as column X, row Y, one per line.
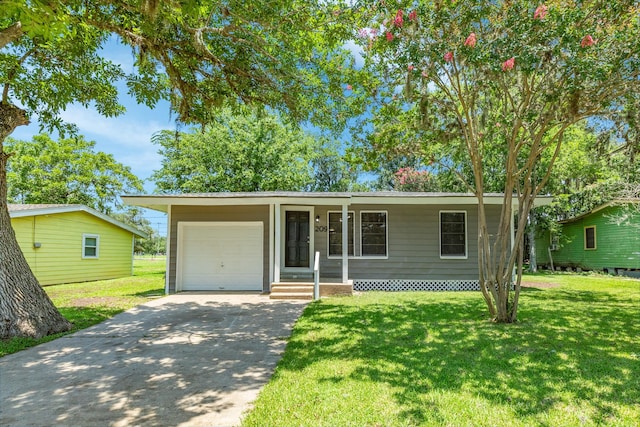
column 316, row 276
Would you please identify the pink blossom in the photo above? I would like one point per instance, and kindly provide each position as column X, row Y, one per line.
column 541, row 12
column 398, row 21
column 410, row 67
column 587, row 41
column 413, row 15
column 349, row 87
column 509, row 64
column 448, row 57
column 471, row 40
column 389, row 36
column 424, row 74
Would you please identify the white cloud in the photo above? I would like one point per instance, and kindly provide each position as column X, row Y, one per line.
column 356, row 52
column 130, row 129
column 127, row 137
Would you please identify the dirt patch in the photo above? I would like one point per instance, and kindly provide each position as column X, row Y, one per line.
column 93, row 301
column 539, row 285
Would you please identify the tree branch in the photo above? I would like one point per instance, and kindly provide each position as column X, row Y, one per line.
column 10, row 34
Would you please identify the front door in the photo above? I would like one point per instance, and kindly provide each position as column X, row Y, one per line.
column 297, row 238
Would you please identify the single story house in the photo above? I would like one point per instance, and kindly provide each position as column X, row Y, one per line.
column 253, row 241
column 606, row 238
column 73, row 243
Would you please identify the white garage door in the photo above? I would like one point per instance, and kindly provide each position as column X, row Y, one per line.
column 216, row 256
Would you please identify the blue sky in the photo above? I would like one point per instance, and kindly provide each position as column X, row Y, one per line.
column 127, row 137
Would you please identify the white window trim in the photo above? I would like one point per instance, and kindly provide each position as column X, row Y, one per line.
column 466, row 239
column 362, row 255
column 84, row 241
column 595, row 238
column 353, row 216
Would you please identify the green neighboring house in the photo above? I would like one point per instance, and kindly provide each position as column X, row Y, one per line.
column 604, row 239
column 73, row 243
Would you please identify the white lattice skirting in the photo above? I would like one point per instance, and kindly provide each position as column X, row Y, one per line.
column 416, row 285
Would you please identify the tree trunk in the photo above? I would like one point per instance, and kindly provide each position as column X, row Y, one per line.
column 25, row 308
column 531, row 234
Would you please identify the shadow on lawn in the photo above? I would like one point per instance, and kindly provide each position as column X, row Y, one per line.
column 576, row 345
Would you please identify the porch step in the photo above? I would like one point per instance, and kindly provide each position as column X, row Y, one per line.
column 304, row 290
column 292, row 290
column 291, row 296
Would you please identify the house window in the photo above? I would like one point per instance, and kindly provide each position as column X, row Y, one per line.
column 453, row 234
column 90, row 245
column 590, row 237
column 335, row 233
column 373, row 230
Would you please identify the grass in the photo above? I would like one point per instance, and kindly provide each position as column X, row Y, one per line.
column 405, row 359
column 88, row 303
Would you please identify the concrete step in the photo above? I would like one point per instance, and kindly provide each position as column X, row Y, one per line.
column 291, row 296
column 294, row 289
column 291, row 290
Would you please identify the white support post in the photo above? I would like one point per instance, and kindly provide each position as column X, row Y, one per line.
column 168, row 254
column 276, row 241
column 271, row 244
column 345, row 243
column 316, row 276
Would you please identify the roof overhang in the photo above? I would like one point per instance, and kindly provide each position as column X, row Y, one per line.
column 21, row 211
column 162, row 202
column 615, row 202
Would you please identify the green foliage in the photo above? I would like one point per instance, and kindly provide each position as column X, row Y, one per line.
column 287, row 54
column 333, row 171
column 491, row 87
column 432, row 360
column 470, row 100
column 154, row 244
column 248, row 150
column 67, row 171
column 55, row 62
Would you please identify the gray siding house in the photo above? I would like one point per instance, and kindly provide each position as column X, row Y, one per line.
column 251, row 241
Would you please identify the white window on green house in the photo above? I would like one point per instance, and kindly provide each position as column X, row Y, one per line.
column 590, row 237
column 373, row 233
column 335, row 233
column 90, row 246
column 453, row 234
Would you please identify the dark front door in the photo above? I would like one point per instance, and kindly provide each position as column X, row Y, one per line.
column 297, row 237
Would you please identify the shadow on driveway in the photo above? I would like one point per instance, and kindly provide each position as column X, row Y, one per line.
column 187, row 359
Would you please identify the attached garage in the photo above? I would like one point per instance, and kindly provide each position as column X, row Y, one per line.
column 214, row 256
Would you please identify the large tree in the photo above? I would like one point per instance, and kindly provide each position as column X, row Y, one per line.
column 66, row 171
column 249, row 150
column 500, row 76
column 200, row 55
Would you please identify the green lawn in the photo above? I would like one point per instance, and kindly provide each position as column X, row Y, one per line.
column 404, row 359
column 85, row 304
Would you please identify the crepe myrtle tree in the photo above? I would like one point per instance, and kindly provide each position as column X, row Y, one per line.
column 200, row 55
column 499, row 78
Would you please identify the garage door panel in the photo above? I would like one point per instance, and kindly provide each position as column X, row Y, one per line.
column 221, row 256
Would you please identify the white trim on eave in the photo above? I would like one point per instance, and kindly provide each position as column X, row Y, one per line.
column 160, row 203
column 51, row 210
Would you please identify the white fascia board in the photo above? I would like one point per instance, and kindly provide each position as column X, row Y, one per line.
column 429, row 200
column 52, row 210
column 161, row 203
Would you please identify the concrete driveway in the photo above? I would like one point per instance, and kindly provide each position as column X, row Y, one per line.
column 187, row 359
